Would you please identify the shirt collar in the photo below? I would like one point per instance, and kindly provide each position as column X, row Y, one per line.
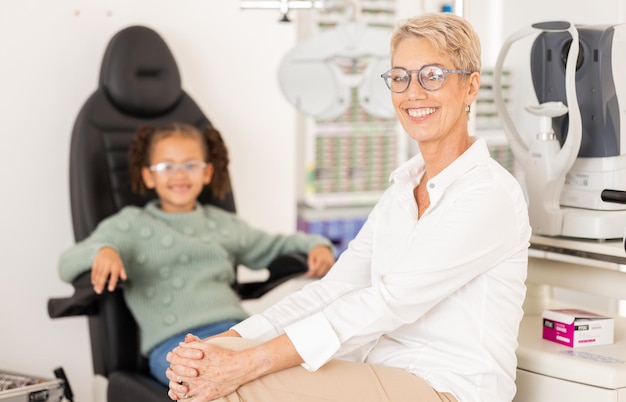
column 413, row 169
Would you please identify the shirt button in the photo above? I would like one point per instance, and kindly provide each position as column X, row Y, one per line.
column 431, row 185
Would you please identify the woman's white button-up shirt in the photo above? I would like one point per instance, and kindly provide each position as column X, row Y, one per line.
column 440, row 296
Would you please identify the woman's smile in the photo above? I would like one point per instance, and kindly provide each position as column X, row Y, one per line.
column 421, row 112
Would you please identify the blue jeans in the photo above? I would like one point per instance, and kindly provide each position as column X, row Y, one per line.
column 156, row 359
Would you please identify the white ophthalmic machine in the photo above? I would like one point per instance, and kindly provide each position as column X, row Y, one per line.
column 574, row 174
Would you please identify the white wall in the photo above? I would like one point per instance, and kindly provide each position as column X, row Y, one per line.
column 50, row 53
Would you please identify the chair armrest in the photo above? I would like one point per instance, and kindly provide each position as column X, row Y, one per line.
column 82, row 302
column 282, row 268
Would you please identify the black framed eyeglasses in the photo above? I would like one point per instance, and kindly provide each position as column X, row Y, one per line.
column 169, row 168
column 431, row 77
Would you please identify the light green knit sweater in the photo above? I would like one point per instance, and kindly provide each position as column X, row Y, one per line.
column 180, row 266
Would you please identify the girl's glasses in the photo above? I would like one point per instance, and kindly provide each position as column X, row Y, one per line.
column 431, row 78
column 169, row 168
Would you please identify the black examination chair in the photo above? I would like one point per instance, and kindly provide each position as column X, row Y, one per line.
column 139, row 84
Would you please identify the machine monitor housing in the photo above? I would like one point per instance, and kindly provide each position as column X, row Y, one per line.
column 601, row 92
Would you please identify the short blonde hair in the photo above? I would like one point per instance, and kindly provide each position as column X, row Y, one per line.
column 448, row 33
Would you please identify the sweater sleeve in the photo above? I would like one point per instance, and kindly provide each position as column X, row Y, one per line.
column 256, row 248
column 79, row 258
column 351, row 272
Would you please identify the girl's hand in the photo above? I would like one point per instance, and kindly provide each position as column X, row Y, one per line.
column 107, row 265
column 320, row 261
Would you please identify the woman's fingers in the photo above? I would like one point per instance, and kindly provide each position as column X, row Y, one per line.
column 189, row 351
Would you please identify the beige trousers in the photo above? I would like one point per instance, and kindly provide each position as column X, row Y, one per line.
column 336, row 381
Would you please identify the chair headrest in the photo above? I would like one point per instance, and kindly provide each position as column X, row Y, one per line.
column 139, row 73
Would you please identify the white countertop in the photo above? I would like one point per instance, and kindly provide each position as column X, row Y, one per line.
column 601, row 366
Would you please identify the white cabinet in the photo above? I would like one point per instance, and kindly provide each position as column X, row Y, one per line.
column 548, row 371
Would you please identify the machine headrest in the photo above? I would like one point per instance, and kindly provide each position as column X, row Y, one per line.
column 139, row 73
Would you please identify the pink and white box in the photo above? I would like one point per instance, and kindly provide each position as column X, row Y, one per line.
column 577, row 328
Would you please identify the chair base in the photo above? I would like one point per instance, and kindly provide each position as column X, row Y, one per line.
column 133, row 387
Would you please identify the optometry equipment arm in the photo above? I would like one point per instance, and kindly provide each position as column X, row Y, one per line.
column 545, row 162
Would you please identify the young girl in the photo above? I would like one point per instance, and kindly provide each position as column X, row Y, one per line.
column 177, row 255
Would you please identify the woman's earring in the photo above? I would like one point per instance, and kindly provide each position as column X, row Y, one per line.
column 467, row 108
